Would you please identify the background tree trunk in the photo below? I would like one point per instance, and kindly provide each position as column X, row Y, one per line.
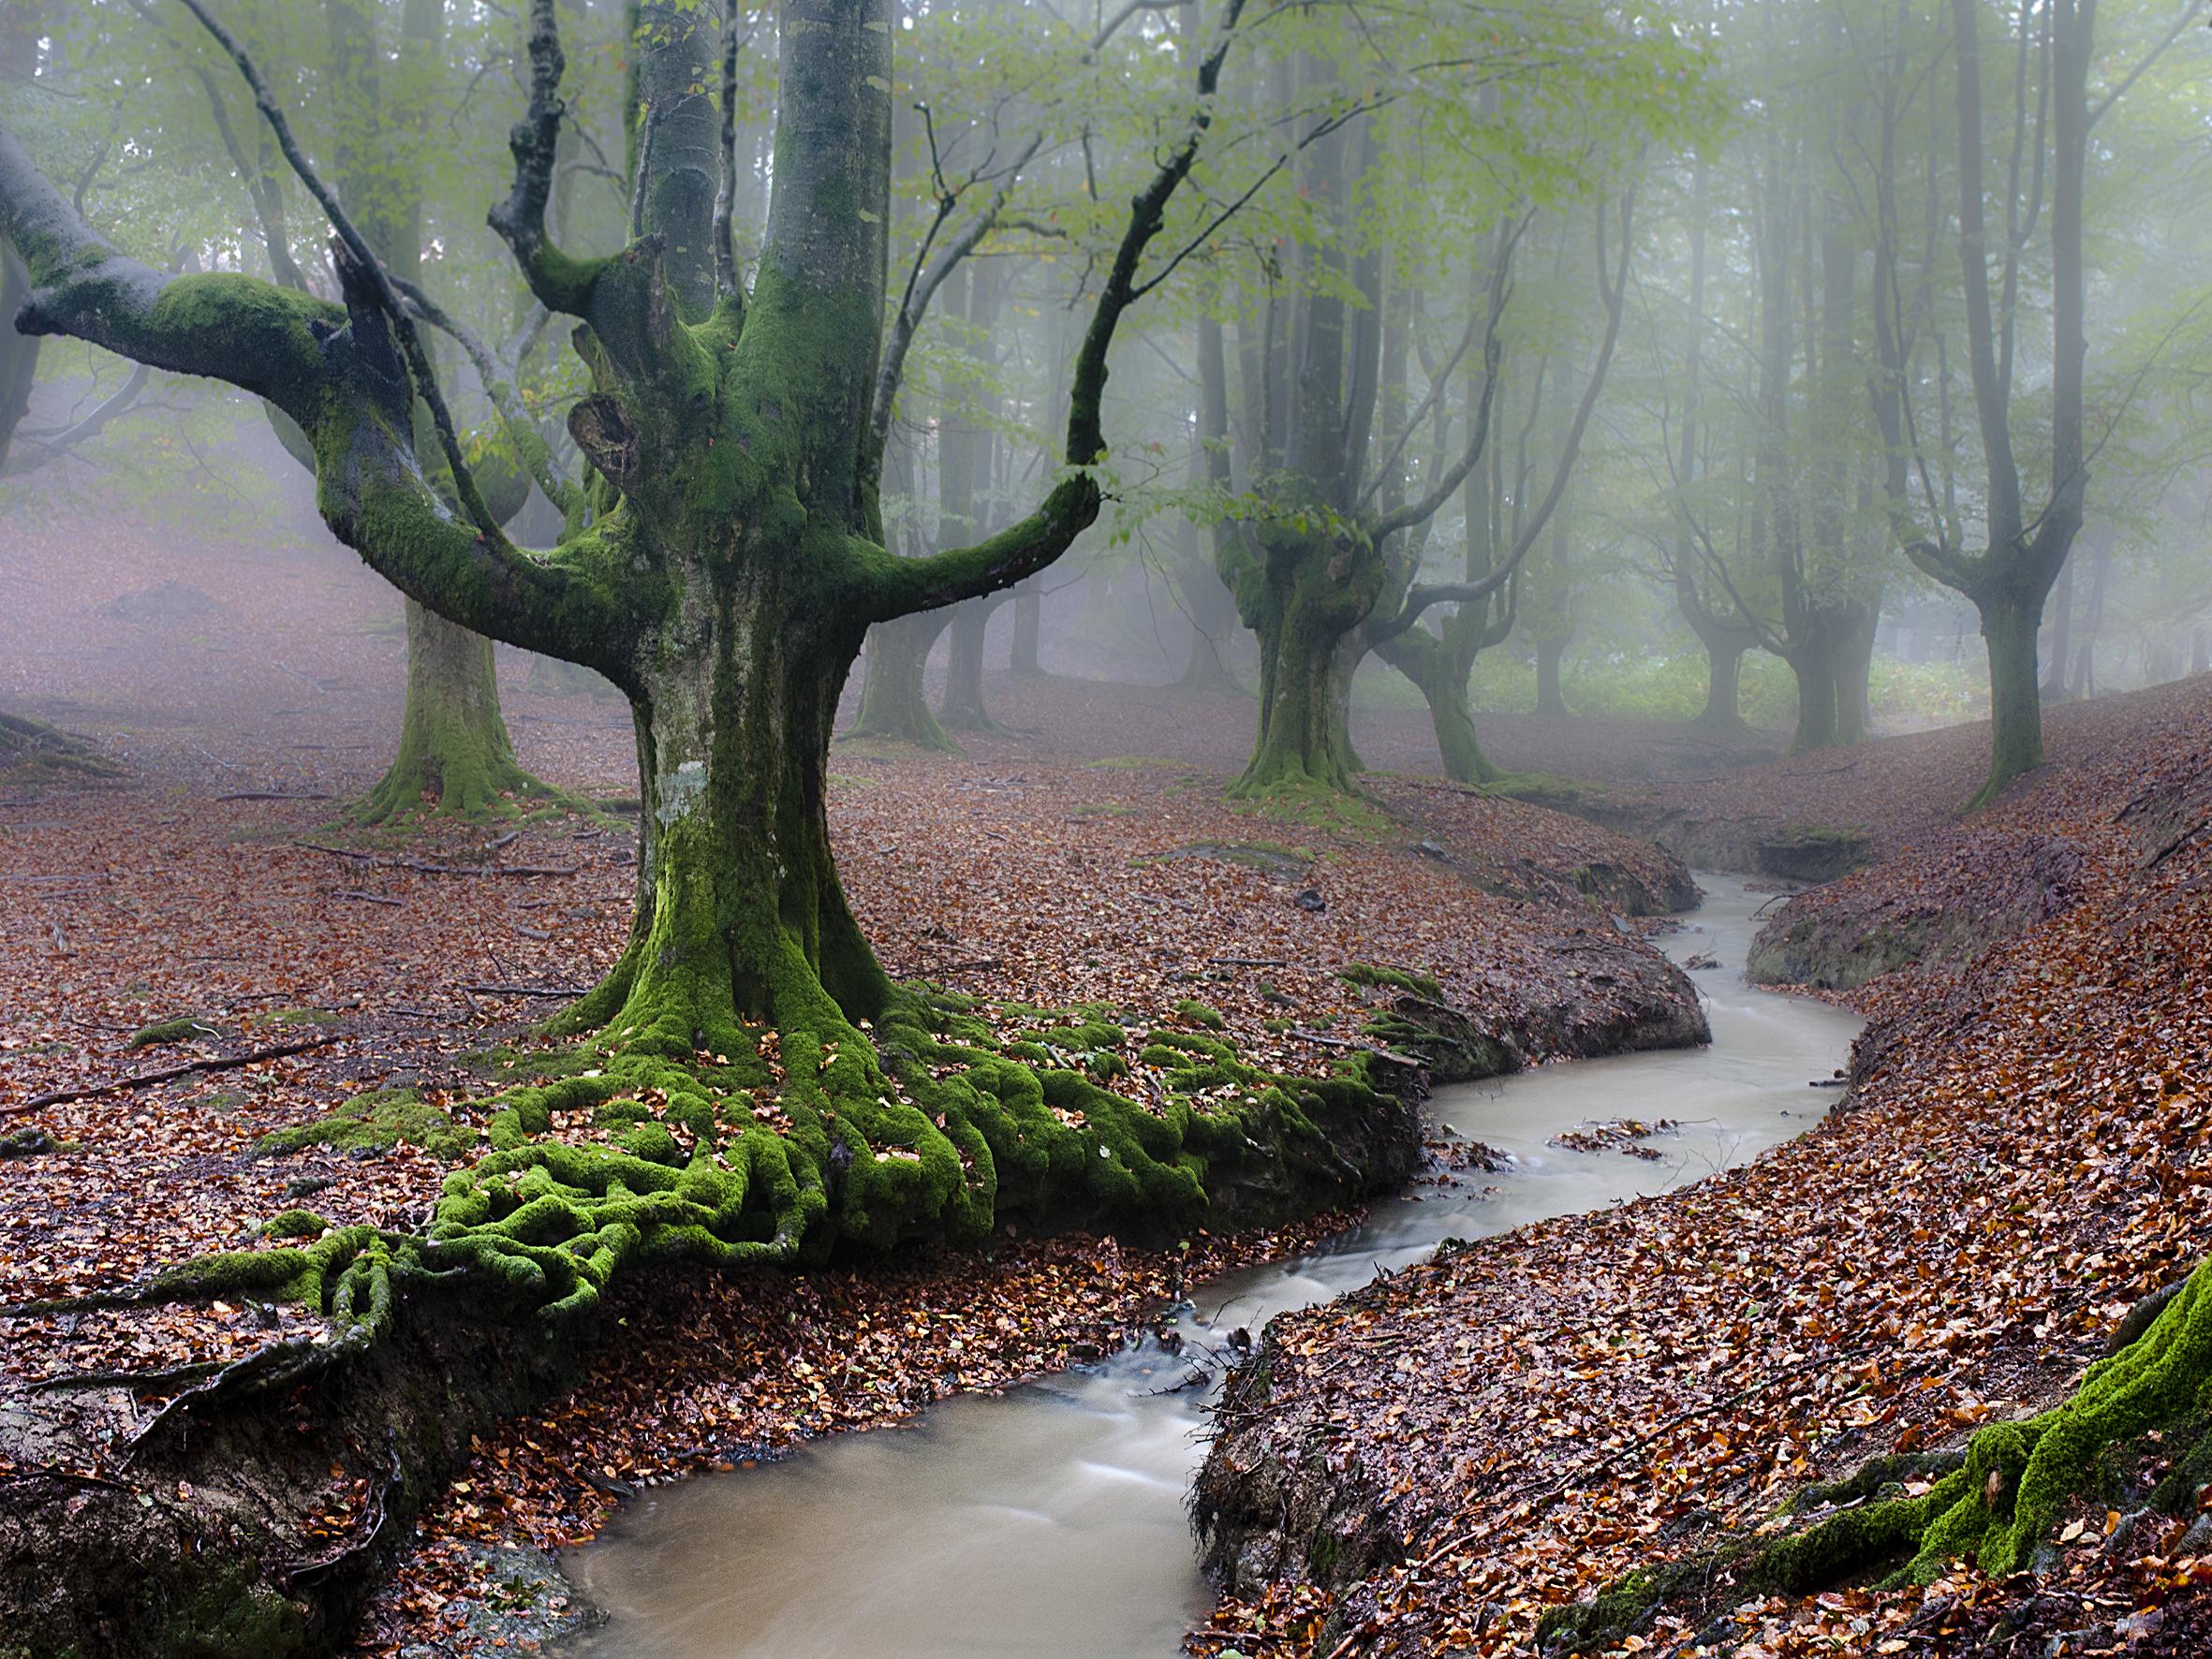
column 454, row 755
column 1549, row 698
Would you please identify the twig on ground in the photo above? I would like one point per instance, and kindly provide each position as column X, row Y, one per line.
column 167, row 1073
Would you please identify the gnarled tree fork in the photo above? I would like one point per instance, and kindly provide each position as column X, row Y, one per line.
column 732, row 562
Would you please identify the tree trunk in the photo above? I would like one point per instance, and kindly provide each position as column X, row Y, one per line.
column 1303, row 622
column 1441, row 678
column 740, row 916
column 893, row 706
column 1724, row 684
column 1549, row 698
column 454, row 755
column 1855, row 673
column 1028, row 624
column 1812, row 661
column 963, row 707
column 2009, row 628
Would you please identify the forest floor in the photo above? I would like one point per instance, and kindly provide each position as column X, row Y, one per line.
column 2023, row 1155
column 249, row 695
column 2025, row 1150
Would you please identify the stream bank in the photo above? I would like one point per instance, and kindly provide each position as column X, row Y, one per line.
column 1052, row 1520
column 1600, row 1408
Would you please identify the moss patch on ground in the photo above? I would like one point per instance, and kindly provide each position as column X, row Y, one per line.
column 378, row 1119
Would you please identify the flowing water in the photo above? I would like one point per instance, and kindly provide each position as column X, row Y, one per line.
column 1049, row 1522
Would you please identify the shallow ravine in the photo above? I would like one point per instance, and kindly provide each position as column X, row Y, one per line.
column 1052, row 1520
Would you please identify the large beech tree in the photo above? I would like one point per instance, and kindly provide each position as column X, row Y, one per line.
column 733, row 558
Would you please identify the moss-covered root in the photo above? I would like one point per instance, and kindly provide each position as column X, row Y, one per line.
column 2001, row 1502
column 770, row 1145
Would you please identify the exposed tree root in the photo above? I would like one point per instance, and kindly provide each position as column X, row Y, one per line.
column 1993, row 1504
column 637, row 1147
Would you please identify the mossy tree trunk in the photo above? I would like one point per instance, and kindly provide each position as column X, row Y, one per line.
column 894, row 705
column 1438, row 667
column 454, row 755
column 739, row 913
column 1305, row 600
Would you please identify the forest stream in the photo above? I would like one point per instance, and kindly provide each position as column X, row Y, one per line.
column 1052, row 1520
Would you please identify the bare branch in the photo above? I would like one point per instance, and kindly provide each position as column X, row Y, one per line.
column 419, row 363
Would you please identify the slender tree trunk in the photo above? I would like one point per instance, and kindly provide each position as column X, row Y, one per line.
column 454, row 755
column 962, row 706
column 1549, row 698
column 893, row 706
column 1028, row 624
column 2009, row 628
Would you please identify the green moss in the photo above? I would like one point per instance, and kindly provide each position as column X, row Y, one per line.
column 2001, row 1502
column 184, row 1028
column 1198, row 1014
column 1316, row 804
column 1371, row 976
column 378, row 1119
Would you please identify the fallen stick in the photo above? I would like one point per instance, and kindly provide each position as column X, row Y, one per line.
column 1248, row 962
column 366, row 898
column 275, row 795
column 167, row 1073
column 424, row 867
column 526, row 990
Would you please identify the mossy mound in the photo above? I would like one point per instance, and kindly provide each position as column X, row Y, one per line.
column 33, row 752
column 184, row 1028
column 1371, row 976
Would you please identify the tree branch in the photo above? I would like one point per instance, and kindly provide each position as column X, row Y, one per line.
column 561, row 283
column 410, row 342
column 537, row 455
column 1419, row 512
column 904, row 586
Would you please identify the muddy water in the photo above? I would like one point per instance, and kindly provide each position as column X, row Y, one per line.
column 1049, row 1521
